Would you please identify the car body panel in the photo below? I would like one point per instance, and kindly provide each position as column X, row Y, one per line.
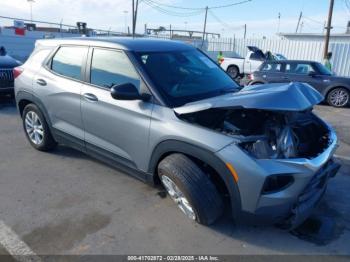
column 138, row 134
column 288, row 97
column 322, row 83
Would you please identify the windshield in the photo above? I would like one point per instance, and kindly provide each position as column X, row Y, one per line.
column 323, row 70
column 185, row 76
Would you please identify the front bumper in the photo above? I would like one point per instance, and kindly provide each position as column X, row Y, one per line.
column 291, row 205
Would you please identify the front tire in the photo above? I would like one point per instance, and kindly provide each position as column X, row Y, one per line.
column 191, row 189
column 36, row 129
column 338, row 97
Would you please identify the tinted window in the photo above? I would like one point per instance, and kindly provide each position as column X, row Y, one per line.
column 68, row 61
column 257, row 56
column 299, row 68
column 111, row 67
column 271, row 67
column 185, row 76
column 322, row 69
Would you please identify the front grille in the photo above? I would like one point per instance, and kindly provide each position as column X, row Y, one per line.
column 6, row 75
column 6, row 78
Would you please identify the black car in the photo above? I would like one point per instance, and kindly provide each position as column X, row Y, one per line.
column 335, row 89
column 7, row 63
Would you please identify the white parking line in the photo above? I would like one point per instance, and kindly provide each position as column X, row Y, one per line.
column 15, row 246
column 342, row 157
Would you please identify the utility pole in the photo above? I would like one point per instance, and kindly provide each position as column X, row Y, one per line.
column 205, row 24
column 300, row 16
column 31, row 9
column 135, row 18
column 328, row 28
column 245, row 31
column 279, row 23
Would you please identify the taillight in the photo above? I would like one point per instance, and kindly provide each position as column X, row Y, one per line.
column 17, row 71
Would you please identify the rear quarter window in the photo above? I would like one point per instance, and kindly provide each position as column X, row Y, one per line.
column 68, row 61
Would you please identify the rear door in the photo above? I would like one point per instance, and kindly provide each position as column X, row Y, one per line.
column 117, row 129
column 272, row 72
column 58, row 86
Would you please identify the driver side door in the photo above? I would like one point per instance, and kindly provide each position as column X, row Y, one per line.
column 118, row 130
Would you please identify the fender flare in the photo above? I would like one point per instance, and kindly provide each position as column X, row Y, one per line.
column 173, row 146
column 24, row 95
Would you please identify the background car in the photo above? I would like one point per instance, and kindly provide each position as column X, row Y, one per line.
column 335, row 89
column 239, row 66
column 7, row 63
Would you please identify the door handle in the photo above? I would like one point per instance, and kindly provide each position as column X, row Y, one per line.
column 41, row 82
column 90, row 97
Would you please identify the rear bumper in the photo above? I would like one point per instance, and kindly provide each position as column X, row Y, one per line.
column 6, row 90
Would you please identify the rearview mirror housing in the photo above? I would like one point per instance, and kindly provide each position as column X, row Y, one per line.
column 128, row 91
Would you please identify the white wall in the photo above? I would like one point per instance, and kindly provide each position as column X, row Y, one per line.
column 20, row 47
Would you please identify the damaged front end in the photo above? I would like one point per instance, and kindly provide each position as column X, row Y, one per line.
column 268, row 134
column 281, row 151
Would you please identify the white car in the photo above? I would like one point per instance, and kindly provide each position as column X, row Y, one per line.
column 237, row 66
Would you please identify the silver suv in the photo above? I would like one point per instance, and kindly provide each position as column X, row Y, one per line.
column 165, row 113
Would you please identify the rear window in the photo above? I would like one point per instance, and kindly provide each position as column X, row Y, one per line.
column 271, row 67
column 68, row 61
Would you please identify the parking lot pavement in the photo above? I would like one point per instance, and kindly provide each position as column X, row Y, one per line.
column 65, row 202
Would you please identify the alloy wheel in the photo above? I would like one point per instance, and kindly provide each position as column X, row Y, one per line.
column 339, row 97
column 34, row 128
column 179, row 198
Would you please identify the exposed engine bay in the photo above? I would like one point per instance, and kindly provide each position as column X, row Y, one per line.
column 268, row 134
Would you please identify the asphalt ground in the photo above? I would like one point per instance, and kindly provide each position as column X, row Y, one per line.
column 65, row 202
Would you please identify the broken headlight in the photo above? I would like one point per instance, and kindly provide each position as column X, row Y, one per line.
column 282, row 145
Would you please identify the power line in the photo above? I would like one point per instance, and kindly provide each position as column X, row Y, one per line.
column 228, row 5
column 224, row 23
column 170, row 12
column 199, row 8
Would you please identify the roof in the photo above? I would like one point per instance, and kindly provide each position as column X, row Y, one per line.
column 314, row 34
column 125, row 43
column 289, row 61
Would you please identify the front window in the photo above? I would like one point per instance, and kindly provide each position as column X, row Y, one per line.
column 112, row 67
column 185, row 76
column 323, row 70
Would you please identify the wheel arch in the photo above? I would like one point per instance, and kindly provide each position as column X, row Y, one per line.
column 332, row 87
column 200, row 156
column 24, row 98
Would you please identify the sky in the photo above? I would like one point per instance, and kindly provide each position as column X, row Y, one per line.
column 261, row 16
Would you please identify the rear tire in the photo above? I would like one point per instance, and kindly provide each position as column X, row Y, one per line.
column 338, row 97
column 36, row 129
column 233, row 72
column 192, row 189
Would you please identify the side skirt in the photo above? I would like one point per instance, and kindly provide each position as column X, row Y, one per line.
column 117, row 162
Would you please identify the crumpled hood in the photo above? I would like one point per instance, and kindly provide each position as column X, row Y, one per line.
column 279, row 97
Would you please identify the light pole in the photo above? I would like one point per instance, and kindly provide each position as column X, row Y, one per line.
column 185, row 25
column 125, row 20
column 31, row 9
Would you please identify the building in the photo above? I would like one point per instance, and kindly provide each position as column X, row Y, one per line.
column 342, row 37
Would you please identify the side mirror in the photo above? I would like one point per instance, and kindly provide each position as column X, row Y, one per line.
column 128, row 91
